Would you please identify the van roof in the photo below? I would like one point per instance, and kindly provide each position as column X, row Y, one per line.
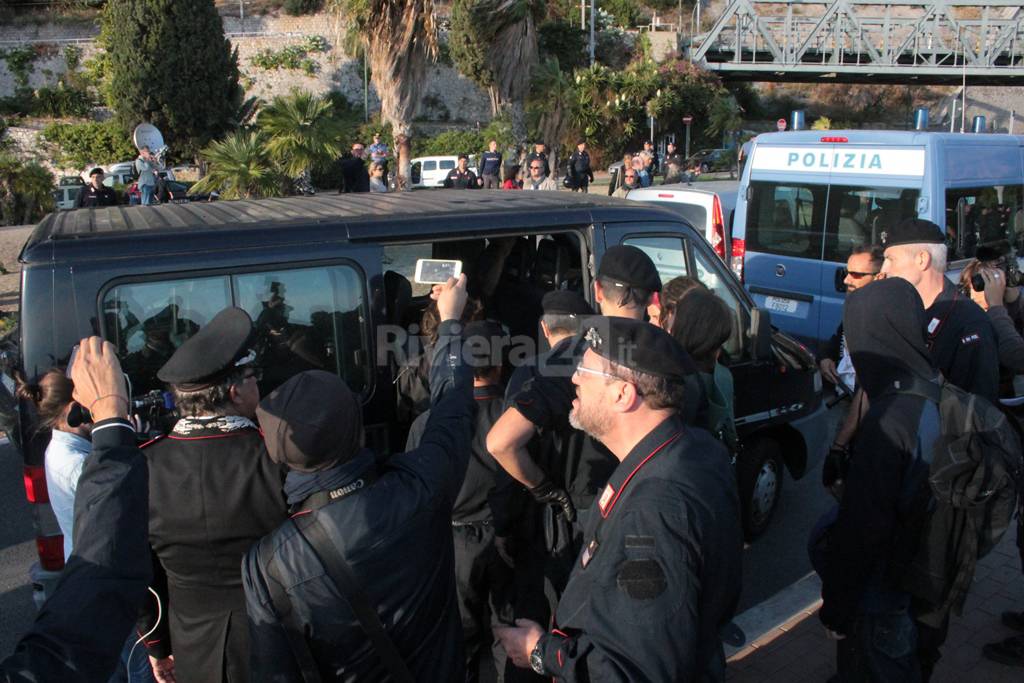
column 355, row 216
column 890, row 137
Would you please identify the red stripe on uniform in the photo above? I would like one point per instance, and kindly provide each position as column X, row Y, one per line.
column 607, row 511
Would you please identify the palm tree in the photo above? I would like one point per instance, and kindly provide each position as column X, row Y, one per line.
column 512, row 54
column 303, row 132
column 240, row 167
column 398, row 37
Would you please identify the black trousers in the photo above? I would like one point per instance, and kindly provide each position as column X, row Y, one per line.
column 485, row 593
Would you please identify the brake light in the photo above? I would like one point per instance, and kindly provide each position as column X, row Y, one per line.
column 665, row 195
column 739, row 251
column 35, row 484
column 834, row 139
column 717, row 228
column 51, row 552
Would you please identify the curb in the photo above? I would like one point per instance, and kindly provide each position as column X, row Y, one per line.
column 766, row 621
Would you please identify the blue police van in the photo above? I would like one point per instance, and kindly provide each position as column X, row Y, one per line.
column 807, row 198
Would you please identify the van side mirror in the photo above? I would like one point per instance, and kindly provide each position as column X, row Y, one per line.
column 760, row 333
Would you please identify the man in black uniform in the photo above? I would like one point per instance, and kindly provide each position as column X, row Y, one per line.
column 579, row 168
column 659, row 575
column 962, row 345
column 95, row 193
column 354, row 176
column 213, row 492
column 490, row 167
column 460, row 177
column 672, row 157
column 486, row 508
column 961, row 338
column 382, row 530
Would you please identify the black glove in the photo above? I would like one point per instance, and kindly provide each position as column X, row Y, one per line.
column 546, row 492
column 837, row 462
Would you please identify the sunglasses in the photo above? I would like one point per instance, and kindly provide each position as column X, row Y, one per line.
column 536, row 168
column 631, row 175
column 856, row 275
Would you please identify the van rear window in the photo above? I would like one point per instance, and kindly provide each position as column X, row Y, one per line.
column 823, row 221
column 976, row 216
column 309, row 318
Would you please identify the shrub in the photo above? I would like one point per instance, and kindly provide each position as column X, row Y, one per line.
column 450, row 142
column 79, row 144
column 298, row 7
column 292, row 56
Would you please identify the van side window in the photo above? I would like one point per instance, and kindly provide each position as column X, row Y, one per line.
column 429, row 165
column 786, row 219
column 859, row 215
column 148, row 321
column 666, row 252
column 311, row 318
column 446, row 164
column 708, row 272
column 980, row 215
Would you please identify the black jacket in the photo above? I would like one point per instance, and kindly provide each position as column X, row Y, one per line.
column 962, row 342
column 396, row 534
column 886, row 493
column 354, row 175
column 460, row 180
column 659, row 575
column 213, row 492
column 579, row 167
column 89, row 197
column 80, row 631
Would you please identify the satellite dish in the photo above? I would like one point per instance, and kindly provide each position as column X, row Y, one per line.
column 148, row 135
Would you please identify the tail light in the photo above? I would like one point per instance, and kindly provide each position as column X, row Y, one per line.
column 51, row 552
column 717, row 228
column 35, row 484
column 739, row 251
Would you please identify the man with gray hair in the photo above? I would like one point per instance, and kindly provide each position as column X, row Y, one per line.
column 213, row 492
column 961, row 339
column 962, row 344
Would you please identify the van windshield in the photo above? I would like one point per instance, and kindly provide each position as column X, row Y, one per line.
column 822, row 221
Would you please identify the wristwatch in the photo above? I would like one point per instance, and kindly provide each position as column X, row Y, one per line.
column 537, row 660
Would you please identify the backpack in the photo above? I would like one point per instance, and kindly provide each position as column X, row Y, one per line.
column 975, row 477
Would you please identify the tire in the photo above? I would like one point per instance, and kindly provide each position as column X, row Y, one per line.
column 759, row 474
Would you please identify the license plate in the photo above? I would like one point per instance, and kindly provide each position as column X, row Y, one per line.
column 777, row 303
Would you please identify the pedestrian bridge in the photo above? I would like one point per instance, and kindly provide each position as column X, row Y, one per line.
column 867, row 41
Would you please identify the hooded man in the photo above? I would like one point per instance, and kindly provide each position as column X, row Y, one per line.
column 359, row 584
column 886, row 492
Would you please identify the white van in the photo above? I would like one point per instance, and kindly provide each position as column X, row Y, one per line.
column 708, row 207
column 431, row 171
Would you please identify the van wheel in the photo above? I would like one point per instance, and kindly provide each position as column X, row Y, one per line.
column 759, row 474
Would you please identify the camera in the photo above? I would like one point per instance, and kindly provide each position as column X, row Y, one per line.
column 1006, row 261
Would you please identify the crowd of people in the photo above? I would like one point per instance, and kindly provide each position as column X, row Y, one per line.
column 575, row 517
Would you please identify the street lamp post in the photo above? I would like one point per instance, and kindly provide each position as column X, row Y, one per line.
column 687, row 120
column 593, row 12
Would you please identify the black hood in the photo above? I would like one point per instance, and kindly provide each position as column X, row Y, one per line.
column 884, row 324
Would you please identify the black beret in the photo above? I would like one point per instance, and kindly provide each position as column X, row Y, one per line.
column 639, row 346
column 212, row 353
column 95, row 171
column 912, row 231
column 311, row 421
column 631, row 267
column 565, row 302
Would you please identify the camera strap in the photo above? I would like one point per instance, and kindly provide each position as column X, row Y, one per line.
column 338, row 572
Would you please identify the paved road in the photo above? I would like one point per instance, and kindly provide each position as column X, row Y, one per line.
column 17, row 552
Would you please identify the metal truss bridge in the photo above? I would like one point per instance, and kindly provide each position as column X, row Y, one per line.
column 936, row 42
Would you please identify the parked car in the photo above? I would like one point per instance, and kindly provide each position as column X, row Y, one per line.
column 711, row 160
column 708, row 207
column 431, row 171
column 346, row 265
column 65, row 196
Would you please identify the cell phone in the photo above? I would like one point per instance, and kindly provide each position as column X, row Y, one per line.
column 430, row 271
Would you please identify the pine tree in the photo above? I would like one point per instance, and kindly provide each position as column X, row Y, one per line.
column 170, row 65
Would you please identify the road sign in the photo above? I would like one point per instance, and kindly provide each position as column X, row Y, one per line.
column 781, row 123
column 687, row 120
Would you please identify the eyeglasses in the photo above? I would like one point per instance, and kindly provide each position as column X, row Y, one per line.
column 593, row 371
column 536, row 168
column 631, row 175
column 358, row 149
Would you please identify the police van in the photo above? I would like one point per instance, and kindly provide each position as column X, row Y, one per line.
column 330, row 283
column 806, row 198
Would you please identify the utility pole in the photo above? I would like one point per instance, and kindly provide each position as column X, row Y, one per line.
column 241, row 14
column 583, row 15
column 366, row 88
column 593, row 14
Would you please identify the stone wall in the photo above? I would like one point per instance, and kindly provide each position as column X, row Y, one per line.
column 447, row 95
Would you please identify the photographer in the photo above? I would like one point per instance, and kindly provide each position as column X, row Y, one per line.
column 79, row 632
column 1002, row 303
